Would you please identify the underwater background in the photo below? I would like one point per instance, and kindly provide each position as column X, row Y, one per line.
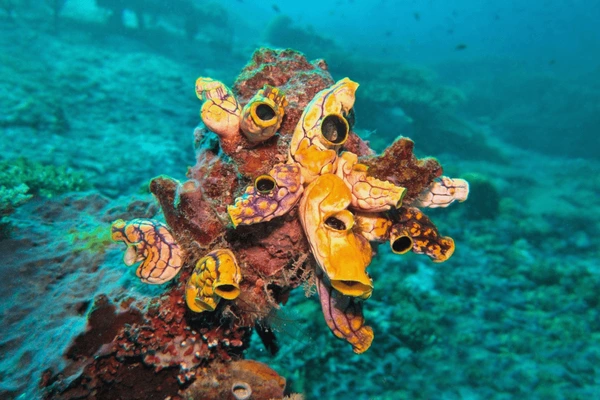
column 97, row 98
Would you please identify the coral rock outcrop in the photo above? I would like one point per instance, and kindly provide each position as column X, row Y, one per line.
column 280, row 196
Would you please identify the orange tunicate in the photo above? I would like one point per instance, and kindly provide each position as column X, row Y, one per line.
column 150, row 242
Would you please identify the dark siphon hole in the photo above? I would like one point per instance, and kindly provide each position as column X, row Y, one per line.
column 349, row 283
column 265, row 112
column 335, row 129
column 226, row 288
column 265, row 185
column 335, row 223
column 402, row 244
column 238, row 387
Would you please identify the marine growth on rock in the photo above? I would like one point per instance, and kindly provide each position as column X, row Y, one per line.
column 342, row 206
column 283, row 193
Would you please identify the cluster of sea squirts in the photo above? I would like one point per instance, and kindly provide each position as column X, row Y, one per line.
column 341, row 207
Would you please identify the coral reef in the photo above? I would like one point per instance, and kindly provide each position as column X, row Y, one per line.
column 22, row 179
column 461, row 329
column 12, row 197
column 41, row 179
column 259, row 215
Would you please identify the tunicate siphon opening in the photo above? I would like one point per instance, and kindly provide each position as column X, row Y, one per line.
column 334, row 129
column 227, row 288
column 352, row 288
column 264, row 184
column 340, row 221
column 204, row 304
column 335, row 223
column 265, row 112
column 402, row 244
column 227, row 291
column 241, row 390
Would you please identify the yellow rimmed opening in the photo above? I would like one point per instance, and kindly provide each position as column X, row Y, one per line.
column 263, row 114
column 335, row 129
column 401, row 244
column 264, row 184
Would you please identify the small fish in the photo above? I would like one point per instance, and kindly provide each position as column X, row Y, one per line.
column 417, row 16
column 460, row 46
column 552, row 62
column 388, row 33
column 276, row 8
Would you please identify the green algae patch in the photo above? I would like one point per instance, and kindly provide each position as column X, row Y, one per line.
column 93, row 240
column 22, row 179
column 40, row 179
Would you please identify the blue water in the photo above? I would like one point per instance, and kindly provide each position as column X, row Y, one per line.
column 428, row 31
column 97, row 98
